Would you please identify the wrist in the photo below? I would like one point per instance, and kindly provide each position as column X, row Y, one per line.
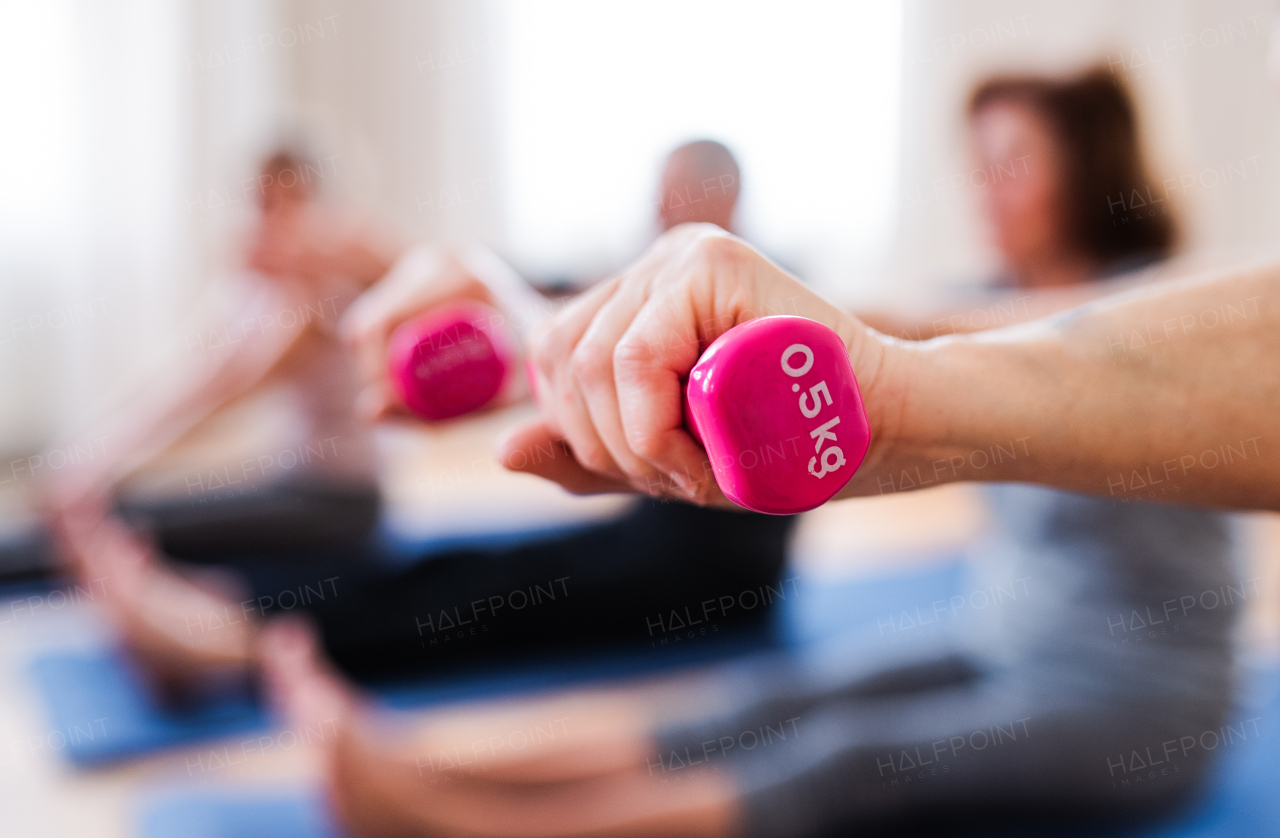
column 942, row 411
column 977, row 406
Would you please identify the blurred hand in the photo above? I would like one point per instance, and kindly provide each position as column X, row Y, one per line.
column 425, row 278
column 611, row 366
column 312, row 241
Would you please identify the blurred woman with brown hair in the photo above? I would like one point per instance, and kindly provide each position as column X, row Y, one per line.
column 1057, row 223
column 1067, row 195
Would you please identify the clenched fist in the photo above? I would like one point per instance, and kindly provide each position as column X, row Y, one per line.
column 611, row 367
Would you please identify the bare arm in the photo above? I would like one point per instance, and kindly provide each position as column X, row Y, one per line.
column 1011, row 306
column 1168, row 392
column 1006, row 309
column 299, row 247
column 1107, row 398
column 187, row 392
column 426, row 277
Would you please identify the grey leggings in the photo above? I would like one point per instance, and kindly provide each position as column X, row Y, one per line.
column 1104, row 691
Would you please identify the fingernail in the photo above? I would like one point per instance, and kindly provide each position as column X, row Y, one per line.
column 683, row 483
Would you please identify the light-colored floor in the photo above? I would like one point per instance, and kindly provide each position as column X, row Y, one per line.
column 446, row 482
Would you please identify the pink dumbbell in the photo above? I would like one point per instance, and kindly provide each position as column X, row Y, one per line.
column 452, row 361
column 775, row 403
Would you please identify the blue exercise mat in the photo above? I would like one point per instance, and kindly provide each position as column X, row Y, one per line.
column 225, row 814
column 98, row 691
column 100, row 705
column 99, row 702
column 891, row 606
column 1242, row 798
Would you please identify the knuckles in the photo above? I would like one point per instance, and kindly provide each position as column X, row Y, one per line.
column 633, row 350
column 546, row 350
column 720, row 250
column 590, row 363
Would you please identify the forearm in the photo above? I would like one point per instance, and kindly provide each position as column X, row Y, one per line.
column 177, row 400
column 1173, row 386
column 1167, row 392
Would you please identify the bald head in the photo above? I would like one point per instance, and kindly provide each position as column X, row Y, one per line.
column 699, row 183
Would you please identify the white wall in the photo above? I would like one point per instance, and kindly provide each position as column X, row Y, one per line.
column 402, row 94
column 595, row 95
column 93, row 164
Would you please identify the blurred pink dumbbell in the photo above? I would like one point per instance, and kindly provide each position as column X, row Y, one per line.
column 776, row 404
column 451, row 361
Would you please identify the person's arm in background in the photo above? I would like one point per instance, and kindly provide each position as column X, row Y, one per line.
column 424, row 278
column 314, row 241
column 1007, row 308
column 1121, row 392
column 1010, row 306
column 295, row 249
column 184, row 394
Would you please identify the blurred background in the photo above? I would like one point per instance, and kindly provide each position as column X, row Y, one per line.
column 133, row 133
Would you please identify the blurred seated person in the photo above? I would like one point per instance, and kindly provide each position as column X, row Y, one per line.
column 275, row 333
column 1059, row 159
column 1069, row 696
column 192, row 574
column 270, row 341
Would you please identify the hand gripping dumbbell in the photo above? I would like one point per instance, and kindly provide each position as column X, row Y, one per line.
column 774, row 401
column 776, row 404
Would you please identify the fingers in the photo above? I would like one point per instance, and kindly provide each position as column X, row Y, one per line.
column 611, row 369
column 649, row 374
column 377, row 402
column 593, row 366
column 536, row 449
column 367, row 324
column 574, row 360
column 561, row 363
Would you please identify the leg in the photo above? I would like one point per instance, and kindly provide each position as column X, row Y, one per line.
column 605, row 584
column 158, row 610
column 1077, row 738
column 597, row 585
column 285, row 518
column 190, row 623
column 585, row 779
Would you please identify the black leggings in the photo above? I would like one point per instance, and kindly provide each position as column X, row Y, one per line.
column 613, row 584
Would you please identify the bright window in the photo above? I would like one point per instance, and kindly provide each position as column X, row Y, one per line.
column 594, row 94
